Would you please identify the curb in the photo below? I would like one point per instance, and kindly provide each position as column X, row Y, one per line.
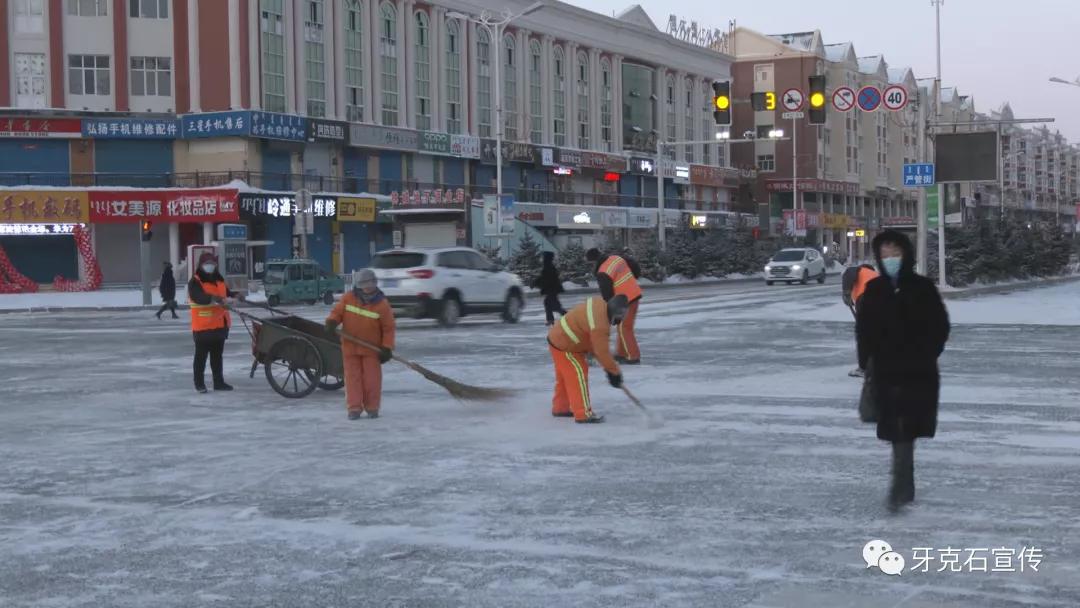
column 1021, row 286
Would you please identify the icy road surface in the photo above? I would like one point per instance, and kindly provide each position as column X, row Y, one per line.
column 120, row 486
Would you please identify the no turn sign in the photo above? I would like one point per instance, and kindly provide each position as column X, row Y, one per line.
column 793, row 100
column 843, row 99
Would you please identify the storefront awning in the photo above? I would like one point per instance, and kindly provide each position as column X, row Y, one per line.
column 425, row 211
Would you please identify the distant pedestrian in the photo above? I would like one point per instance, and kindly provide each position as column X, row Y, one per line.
column 209, row 298
column 902, row 327
column 550, row 285
column 167, row 289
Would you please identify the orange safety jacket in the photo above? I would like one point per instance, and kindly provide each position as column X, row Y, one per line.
column 207, row 317
column 622, row 277
column 373, row 323
column 586, row 329
column 861, row 281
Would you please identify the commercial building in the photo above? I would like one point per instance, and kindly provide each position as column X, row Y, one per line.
column 304, row 98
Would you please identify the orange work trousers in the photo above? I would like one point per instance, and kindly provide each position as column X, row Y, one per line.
column 571, row 385
column 363, row 383
column 627, row 346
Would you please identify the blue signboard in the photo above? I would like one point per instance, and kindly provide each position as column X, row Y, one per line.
column 869, row 98
column 921, row 174
column 130, row 128
column 271, row 125
column 232, row 232
column 216, row 124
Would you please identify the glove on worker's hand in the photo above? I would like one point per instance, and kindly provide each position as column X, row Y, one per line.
column 331, row 326
column 615, row 380
column 385, row 354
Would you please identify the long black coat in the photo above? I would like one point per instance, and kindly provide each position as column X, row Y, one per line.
column 549, row 282
column 902, row 328
column 167, row 288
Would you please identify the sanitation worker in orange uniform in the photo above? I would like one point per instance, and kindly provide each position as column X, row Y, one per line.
column 209, row 299
column 364, row 313
column 583, row 331
column 853, row 283
column 617, row 276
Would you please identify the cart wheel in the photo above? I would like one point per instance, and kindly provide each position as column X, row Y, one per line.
column 328, row 298
column 293, row 366
column 273, row 300
column 331, row 382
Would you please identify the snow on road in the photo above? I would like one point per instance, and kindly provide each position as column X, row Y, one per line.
column 120, row 486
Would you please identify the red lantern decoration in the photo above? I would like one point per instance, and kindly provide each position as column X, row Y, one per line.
column 89, row 262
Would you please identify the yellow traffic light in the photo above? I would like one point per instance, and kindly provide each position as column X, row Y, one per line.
column 723, row 102
column 770, row 100
column 817, row 100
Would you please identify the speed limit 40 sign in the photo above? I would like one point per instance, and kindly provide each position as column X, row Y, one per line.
column 895, row 98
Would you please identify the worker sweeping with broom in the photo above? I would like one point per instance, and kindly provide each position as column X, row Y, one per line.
column 585, row 330
column 365, row 314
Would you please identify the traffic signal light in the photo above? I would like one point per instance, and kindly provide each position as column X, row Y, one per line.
column 147, row 234
column 722, row 102
column 817, row 100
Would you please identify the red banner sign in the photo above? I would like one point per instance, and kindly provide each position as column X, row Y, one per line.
column 40, row 127
column 131, row 206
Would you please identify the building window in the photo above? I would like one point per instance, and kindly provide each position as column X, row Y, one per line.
column 30, row 80
column 583, row 123
column 536, row 93
column 88, row 8
column 509, row 92
column 669, row 104
column 29, row 16
column 388, row 56
column 151, row 76
column 559, row 97
column 766, row 163
column 88, row 75
column 315, row 58
column 688, row 118
column 273, row 55
column 483, row 102
column 354, row 61
column 149, row 9
column 605, row 105
column 423, row 72
column 453, row 77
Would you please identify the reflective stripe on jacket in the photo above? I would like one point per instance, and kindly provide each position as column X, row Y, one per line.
column 207, row 317
column 373, row 323
column 586, row 329
column 622, row 277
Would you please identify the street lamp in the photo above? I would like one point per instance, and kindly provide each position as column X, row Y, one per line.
column 1074, row 83
column 495, row 26
column 776, row 134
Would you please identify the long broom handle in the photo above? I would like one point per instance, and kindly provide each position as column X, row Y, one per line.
column 369, row 345
column 634, row 399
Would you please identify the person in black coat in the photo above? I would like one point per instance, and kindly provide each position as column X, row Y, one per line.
column 902, row 327
column 209, row 298
column 167, row 289
column 550, row 285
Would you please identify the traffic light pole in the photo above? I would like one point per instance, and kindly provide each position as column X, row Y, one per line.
column 144, row 264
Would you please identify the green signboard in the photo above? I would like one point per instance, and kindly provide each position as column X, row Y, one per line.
column 932, row 203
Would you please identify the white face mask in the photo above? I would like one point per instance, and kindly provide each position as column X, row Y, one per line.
column 209, row 268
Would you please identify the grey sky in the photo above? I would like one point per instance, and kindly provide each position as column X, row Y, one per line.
column 993, row 50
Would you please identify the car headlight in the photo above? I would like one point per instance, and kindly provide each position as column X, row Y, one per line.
column 796, row 267
column 768, row 268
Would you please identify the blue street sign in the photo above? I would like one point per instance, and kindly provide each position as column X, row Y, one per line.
column 232, row 232
column 869, row 98
column 216, row 124
column 921, row 174
column 130, row 128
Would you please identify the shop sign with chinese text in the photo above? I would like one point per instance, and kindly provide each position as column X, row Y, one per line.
column 356, row 209
column 40, row 127
column 131, row 206
column 427, row 198
column 284, row 204
column 44, row 207
column 130, row 128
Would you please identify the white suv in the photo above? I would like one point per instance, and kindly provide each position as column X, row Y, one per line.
column 447, row 284
column 795, row 265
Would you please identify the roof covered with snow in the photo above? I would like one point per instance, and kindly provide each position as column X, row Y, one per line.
column 898, row 75
column 802, row 41
column 871, row 64
column 838, row 53
column 636, row 15
column 948, row 94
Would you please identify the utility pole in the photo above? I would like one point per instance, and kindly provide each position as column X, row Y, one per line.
column 795, row 176
column 662, row 226
column 942, row 283
column 921, row 222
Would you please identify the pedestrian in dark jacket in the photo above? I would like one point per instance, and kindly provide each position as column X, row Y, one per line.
column 167, row 289
column 550, row 285
column 209, row 298
column 902, row 327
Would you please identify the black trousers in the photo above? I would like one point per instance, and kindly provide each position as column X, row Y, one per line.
column 169, row 305
column 552, row 305
column 903, row 472
column 214, row 350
